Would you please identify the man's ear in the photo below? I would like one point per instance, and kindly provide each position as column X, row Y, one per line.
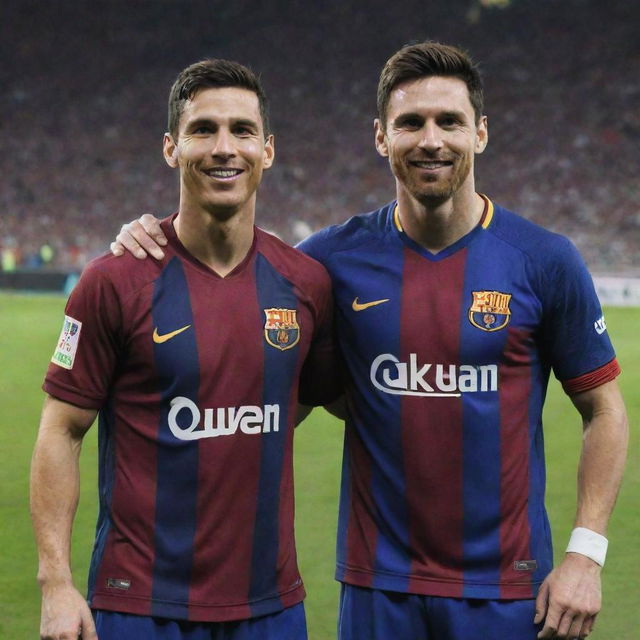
column 269, row 152
column 482, row 135
column 380, row 138
column 170, row 150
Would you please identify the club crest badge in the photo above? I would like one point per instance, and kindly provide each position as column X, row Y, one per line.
column 281, row 329
column 490, row 310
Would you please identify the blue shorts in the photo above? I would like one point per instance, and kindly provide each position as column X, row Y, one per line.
column 372, row 614
column 288, row 624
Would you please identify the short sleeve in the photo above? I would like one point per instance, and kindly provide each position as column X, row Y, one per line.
column 574, row 331
column 85, row 356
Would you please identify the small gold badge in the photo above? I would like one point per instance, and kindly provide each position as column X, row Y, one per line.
column 490, row 310
column 281, row 329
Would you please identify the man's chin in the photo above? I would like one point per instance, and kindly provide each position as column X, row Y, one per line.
column 433, row 197
column 222, row 210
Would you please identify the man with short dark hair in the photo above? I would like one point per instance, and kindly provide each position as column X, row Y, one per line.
column 443, row 531
column 452, row 312
column 196, row 364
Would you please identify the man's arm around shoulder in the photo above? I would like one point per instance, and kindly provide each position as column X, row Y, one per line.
column 55, row 481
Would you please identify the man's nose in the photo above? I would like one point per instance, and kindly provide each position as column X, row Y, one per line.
column 431, row 138
column 223, row 144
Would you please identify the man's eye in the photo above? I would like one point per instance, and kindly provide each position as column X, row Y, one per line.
column 202, row 130
column 412, row 124
column 449, row 122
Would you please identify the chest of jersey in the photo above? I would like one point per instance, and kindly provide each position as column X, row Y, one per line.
column 213, row 350
column 421, row 325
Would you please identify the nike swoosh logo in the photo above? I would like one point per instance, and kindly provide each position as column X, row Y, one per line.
column 361, row 306
column 159, row 339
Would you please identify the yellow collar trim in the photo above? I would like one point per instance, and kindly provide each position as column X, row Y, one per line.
column 485, row 220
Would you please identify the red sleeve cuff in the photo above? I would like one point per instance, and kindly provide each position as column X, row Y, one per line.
column 71, row 395
column 593, row 379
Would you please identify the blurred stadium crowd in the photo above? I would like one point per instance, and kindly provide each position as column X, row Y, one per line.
column 84, row 103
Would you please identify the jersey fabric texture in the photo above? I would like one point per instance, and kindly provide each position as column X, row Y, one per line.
column 197, row 380
column 448, row 359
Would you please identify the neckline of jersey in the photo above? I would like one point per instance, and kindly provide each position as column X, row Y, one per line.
column 179, row 248
column 485, row 222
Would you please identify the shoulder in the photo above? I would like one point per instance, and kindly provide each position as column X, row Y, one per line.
column 356, row 231
column 128, row 273
column 123, row 276
column 541, row 245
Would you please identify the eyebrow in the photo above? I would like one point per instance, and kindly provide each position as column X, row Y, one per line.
column 460, row 115
column 246, row 122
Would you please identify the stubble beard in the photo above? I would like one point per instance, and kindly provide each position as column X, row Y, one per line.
column 439, row 191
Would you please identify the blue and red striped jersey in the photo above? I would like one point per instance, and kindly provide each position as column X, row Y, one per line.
column 196, row 379
column 449, row 357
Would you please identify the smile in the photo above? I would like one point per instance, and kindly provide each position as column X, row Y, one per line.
column 223, row 174
column 432, row 164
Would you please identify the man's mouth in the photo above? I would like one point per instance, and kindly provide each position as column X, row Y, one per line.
column 431, row 164
column 223, row 174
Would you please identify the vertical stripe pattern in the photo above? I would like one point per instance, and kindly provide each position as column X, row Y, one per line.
column 432, row 425
column 178, row 374
column 280, row 369
column 482, row 455
column 106, row 473
column 515, row 390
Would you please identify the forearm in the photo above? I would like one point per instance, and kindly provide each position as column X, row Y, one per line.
column 55, row 481
column 55, row 486
column 602, row 461
column 570, row 597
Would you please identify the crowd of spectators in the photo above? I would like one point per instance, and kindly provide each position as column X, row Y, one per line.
column 84, row 103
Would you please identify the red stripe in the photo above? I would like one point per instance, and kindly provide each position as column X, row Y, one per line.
column 431, row 307
column 227, row 490
column 130, row 539
column 515, row 391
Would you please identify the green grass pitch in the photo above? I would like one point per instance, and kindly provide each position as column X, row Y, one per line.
column 29, row 326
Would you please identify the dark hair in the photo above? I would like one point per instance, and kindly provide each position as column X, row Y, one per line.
column 213, row 73
column 429, row 59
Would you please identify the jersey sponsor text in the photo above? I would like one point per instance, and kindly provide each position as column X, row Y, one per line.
column 437, row 380
column 248, row 419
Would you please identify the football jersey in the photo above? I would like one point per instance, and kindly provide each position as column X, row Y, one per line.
column 449, row 356
column 197, row 380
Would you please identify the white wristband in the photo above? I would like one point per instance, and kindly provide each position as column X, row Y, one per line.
column 588, row 543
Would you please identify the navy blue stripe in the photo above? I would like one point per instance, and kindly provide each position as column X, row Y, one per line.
column 481, row 441
column 177, row 368
column 106, row 473
column 388, row 481
column 274, row 291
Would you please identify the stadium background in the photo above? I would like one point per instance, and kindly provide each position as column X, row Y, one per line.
column 83, row 100
column 85, row 84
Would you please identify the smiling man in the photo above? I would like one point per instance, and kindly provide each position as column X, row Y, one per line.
column 443, row 533
column 196, row 364
column 453, row 312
